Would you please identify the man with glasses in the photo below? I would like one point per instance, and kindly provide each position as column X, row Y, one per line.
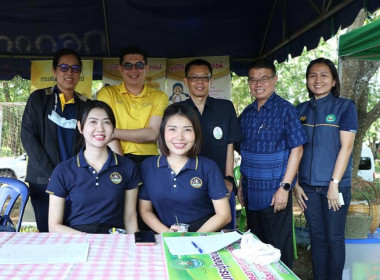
column 138, row 108
column 271, row 150
column 220, row 127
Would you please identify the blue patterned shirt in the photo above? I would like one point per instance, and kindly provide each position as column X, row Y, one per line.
column 268, row 136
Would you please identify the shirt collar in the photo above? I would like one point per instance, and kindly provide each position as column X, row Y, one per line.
column 268, row 104
column 209, row 103
column 192, row 163
column 123, row 89
column 111, row 160
column 325, row 99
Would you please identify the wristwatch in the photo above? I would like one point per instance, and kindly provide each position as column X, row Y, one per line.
column 285, row 186
column 335, row 181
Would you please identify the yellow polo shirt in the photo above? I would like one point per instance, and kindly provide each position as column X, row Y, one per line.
column 134, row 112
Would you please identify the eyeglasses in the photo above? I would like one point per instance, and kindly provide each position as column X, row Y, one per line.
column 263, row 80
column 203, row 79
column 66, row 67
column 138, row 65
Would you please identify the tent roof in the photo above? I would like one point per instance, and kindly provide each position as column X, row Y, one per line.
column 361, row 43
column 242, row 29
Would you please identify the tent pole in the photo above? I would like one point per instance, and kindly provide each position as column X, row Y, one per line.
column 106, row 27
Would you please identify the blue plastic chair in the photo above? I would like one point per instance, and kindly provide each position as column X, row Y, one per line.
column 12, row 189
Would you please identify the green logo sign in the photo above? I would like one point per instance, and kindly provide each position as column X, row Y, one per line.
column 330, row 118
column 187, row 263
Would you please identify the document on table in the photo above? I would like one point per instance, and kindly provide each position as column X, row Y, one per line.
column 194, row 245
column 42, row 254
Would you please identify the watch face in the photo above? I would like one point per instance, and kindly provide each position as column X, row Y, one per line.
column 285, row 186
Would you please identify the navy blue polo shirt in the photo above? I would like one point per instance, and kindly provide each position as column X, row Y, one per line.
column 220, row 127
column 268, row 136
column 93, row 197
column 187, row 194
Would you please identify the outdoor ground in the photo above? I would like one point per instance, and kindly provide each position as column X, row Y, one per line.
column 302, row 265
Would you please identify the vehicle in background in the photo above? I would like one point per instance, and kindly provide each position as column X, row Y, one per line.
column 13, row 167
column 366, row 165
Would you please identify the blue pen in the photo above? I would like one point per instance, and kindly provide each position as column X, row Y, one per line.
column 196, row 246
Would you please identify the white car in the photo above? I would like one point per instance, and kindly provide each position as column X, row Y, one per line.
column 367, row 164
column 13, row 167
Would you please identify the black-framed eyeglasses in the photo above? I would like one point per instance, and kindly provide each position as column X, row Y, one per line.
column 138, row 65
column 263, row 80
column 194, row 79
column 74, row 68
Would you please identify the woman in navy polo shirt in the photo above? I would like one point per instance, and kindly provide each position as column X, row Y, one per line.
column 95, row 190
column 180, row 185
column 324, row 179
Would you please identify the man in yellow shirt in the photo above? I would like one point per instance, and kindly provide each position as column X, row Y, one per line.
column 138, row 108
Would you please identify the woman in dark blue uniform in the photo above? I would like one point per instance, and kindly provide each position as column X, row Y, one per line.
column 324, row 179
column 95, row 190
column 180, row 185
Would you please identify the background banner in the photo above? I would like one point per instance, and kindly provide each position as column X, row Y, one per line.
column 221, row 87
column 41, row 76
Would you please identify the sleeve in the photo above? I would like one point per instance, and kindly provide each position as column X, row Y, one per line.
column 162, row 101
column 143, row 192
column 294, row 133
column 216, row 186
column 234, row 134
column 103, row 95
column 349, row 119
column 134, row 179
column 57, row 185
column 30, row 135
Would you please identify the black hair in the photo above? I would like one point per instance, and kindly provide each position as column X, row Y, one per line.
column 63, row 52
column 198, row 62
column 262, row 63
column 132, row 50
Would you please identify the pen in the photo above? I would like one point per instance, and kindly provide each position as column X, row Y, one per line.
column 196, row 246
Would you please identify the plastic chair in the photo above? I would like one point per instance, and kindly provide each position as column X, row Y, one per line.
column 13, row 188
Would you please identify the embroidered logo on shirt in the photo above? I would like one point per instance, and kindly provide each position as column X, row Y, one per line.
column 330, row 118
column 196, row 182
column 303, row 119
column 115, row 178
column 218, row 133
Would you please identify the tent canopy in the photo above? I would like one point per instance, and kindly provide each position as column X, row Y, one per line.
column 242, row 29
column 361, row 43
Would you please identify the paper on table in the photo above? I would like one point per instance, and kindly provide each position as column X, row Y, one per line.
column 41, row 254
column 183, row 245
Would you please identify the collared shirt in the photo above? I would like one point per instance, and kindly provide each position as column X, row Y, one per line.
column 134, row 112
column 188, row 194
column 94, row 197
column 268, row 135
column 220, row 127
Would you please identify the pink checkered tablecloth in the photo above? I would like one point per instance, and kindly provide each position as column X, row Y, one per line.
column 111, row 256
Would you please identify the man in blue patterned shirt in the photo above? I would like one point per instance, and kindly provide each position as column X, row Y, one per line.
column 271, row 150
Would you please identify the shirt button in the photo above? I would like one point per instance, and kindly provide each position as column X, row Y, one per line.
column 175, row 179
column 97, row 177
column 97, row 184
column 93, row 172
column 172, row 172
column 174, row 186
